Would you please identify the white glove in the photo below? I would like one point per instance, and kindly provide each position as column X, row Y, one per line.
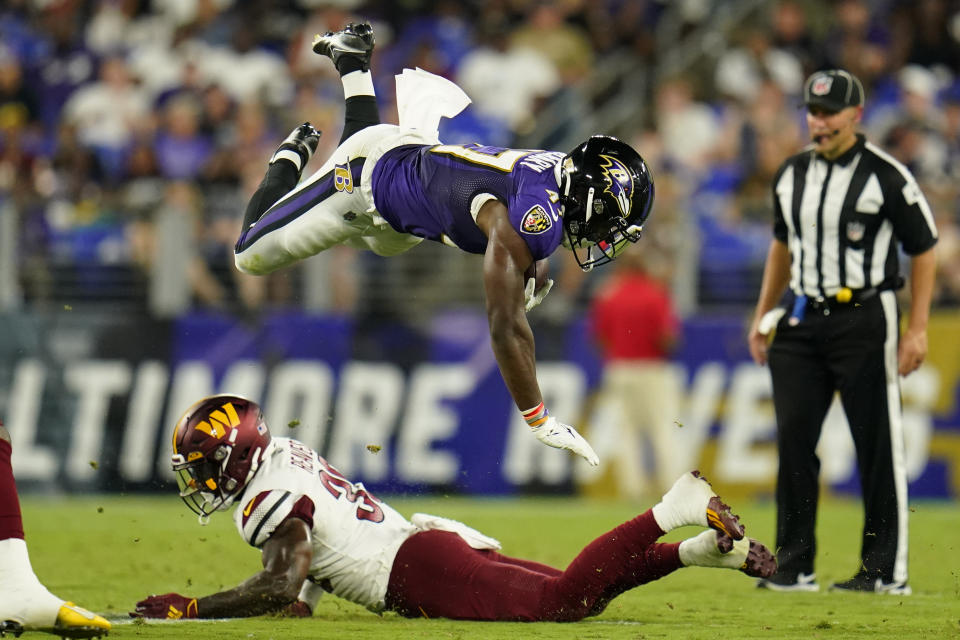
column 554, row 433
column 531, row 298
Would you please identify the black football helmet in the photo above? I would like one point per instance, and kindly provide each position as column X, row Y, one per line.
column 218, row 446
column 606, row 192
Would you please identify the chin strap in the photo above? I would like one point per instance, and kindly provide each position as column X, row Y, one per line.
column 589, row 208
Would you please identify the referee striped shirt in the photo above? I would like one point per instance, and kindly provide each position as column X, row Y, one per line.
column 841, row 219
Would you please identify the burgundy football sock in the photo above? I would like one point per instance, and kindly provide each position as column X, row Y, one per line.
column 619, row 560
column 11, row 524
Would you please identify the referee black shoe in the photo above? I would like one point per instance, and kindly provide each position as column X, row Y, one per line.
column 789, row 582
column 354, row 40
column 864, row 582
column 10, row 626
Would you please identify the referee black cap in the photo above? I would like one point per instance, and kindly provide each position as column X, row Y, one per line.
column 833, row 90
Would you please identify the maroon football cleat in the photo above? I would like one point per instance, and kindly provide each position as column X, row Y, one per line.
column 719, row 516
column 760, row 562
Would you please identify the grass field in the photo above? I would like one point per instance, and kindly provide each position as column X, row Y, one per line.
column 107, row 552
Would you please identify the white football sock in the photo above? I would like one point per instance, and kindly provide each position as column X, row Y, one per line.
column 357, row 83
column 684, row 504
column 22, row 597
column 702, row 551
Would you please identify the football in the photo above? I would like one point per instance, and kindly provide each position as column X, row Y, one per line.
column 539, row 271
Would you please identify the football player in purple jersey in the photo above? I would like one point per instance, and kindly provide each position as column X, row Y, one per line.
column 387, row 188
column 319, row 532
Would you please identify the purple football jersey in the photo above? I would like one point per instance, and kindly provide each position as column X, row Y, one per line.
column 427, row 191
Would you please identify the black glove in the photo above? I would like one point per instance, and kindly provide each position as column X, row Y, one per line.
column 299, row 146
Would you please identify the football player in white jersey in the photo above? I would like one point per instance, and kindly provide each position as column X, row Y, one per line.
column 318, row 532
column 25, row 604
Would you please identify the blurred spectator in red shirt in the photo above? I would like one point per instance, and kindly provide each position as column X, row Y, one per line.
column 633, row 322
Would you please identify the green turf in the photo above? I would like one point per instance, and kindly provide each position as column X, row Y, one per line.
column 107, row 552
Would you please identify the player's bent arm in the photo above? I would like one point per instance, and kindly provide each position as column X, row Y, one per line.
column 505, row 261
column 776, row 276
column 923, row 269
column 286, row 562
column 913, row 343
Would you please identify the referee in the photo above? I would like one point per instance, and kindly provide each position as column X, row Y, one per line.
column 841, row 208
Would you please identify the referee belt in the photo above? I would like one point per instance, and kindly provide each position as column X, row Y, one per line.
column 843, row 298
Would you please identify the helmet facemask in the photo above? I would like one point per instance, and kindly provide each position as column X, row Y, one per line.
column 203, row 485
column 603, row 240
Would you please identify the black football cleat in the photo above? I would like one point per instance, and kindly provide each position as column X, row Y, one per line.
column 354, row 40
column 789, row 582
column 866, row 583
column 302, row 141
column 10, row 626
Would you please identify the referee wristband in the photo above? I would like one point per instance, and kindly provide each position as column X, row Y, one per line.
column 536, row 416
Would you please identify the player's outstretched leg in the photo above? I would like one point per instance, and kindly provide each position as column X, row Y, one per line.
column 283, row 172
column 714, row 549
column 350, row 50
column 28, row 606
column 692, row 501
column 25, row 604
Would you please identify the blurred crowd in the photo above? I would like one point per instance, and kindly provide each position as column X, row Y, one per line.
column 123, row 118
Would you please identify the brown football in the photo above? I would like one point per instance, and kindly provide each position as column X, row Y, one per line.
column 538, row 270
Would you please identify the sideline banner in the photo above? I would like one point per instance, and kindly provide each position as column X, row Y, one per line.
column 91, row 400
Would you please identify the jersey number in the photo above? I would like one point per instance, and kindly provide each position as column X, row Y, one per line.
column 497, row 158
column 368, row 508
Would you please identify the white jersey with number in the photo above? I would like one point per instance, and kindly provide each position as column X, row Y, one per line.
column 355, row 537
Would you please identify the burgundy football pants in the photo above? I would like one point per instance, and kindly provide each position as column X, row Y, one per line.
column 11, row 525
column 437, row 575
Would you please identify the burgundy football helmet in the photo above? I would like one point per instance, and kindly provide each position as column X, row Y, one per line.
column 218, row 445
